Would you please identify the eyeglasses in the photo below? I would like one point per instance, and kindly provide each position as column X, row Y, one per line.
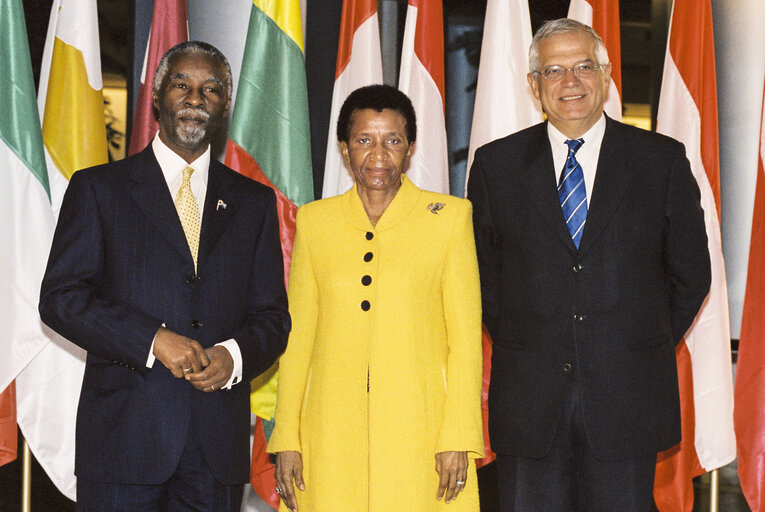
column 555, row 73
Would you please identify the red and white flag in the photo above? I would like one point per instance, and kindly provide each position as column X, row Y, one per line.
column 688, row 112
column 504, row 102
column 750, row 368
column 422, row 79
column 169, row 26
column 603, row 17
column 359, row 63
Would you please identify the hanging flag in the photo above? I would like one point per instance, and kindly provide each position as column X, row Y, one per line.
column 504, row 102
column 422, row 79
column 359, row 63
column 603, row 17
column 27, row 228
column 688, row 112
column 74, row 134
column 750, row 368
column 169, row 26
column 269, row 141
column 9, row 440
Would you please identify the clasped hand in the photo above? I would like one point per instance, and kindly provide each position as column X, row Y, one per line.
column 205, row 369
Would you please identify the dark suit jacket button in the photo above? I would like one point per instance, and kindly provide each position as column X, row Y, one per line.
column 190, row 279
column 196, row 324
column 567, row 368
column 370, row 235
column 368, row 257
column 366, row 280
column 578, row 318
column 365, row 305
column 577, row 267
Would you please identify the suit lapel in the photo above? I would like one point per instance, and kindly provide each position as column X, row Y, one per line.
column 542, row 186
column 218, row 211
column 150, row 193
column 611, row 180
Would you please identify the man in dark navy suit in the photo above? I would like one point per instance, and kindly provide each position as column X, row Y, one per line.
column 594, row 262
column 167, row 268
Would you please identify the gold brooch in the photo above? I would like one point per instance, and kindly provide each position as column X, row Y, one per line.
column 436, row 207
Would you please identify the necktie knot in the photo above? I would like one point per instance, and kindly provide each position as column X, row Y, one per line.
column 574, row 145
column 187, row 172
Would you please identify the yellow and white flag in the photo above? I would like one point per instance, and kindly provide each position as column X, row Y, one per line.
column 70, row 102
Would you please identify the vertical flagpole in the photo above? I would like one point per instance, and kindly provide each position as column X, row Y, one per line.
column 26, row 479
column 714, row 490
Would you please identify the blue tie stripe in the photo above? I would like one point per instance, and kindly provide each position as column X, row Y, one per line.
column 572, row 193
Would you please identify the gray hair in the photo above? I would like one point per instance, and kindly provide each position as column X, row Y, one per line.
column 192, row 47
column 564, row 26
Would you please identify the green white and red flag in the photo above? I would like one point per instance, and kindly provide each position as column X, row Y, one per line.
column 27, row 223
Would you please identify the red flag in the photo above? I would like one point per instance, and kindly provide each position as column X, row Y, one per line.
column 262, row 471
column 688, row 112
column 603, row 17
column 422, row 79
column 8, row 430
column 169, row 26
column 750, row 371
column 359, row 63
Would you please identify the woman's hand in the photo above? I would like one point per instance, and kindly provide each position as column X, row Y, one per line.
column 452, row 472
column 289, row 465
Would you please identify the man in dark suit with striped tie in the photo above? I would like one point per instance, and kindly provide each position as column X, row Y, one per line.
column 167, row 268
column 594, row 262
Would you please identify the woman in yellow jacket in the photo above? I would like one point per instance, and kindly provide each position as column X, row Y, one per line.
column 378, row 404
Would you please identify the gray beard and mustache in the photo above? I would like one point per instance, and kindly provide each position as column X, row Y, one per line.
column 192, row 135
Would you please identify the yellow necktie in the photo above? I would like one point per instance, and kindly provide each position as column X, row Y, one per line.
column 188, row 212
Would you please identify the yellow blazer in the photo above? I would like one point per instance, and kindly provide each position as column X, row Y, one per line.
column 383, row 364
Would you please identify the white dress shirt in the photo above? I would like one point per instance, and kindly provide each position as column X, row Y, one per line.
column 172, row 167
column 587, row 155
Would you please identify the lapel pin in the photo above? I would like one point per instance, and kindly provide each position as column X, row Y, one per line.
column 436, row 207
column 221, row 204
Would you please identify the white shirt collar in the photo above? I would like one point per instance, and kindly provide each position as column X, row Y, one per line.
column 595, row 133
column 172, row 164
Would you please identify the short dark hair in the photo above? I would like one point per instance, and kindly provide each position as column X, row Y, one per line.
column 192, row 47
column 377, row 97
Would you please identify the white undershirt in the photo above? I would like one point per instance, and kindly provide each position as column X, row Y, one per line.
column 587, row 155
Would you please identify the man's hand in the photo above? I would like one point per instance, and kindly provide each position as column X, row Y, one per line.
column 452, row 471
column 179, row 354
column 289, row 465
column 217, row 372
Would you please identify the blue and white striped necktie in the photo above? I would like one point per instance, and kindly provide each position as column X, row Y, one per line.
column 572, row 193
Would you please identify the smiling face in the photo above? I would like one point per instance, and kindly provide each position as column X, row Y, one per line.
column 377, row 150
column 192, row 103
column 572, row 104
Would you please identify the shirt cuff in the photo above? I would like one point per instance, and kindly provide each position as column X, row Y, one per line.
column 236, row 354
column 150, row 360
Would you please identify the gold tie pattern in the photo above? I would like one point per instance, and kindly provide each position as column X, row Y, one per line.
column 188, row 212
